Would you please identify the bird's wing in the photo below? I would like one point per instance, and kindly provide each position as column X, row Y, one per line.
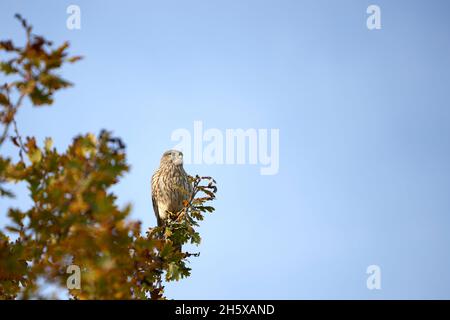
column 155, row 201
column 155, row 209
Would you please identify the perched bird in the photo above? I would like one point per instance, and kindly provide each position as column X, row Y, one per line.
column 170, row 186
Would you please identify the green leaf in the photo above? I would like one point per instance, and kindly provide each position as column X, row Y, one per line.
column 7, row 68
column 39, row 98
column 6, row 193
column 74, row 59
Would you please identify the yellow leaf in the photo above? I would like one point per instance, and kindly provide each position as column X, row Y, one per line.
column 48, row 144
column 35, row 156
column 92, row 138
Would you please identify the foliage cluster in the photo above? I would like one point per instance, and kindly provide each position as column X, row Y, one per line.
column 74, row 218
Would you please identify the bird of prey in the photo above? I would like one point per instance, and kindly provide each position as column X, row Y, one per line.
column 170, row 186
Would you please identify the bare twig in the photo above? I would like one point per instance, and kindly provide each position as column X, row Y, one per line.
column 19, row 139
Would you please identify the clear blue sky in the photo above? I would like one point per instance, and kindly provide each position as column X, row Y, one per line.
column 363, row 115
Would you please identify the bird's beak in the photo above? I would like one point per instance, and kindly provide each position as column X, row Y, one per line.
column 178, row 160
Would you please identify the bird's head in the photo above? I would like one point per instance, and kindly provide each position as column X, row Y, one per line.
column 174, row 157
